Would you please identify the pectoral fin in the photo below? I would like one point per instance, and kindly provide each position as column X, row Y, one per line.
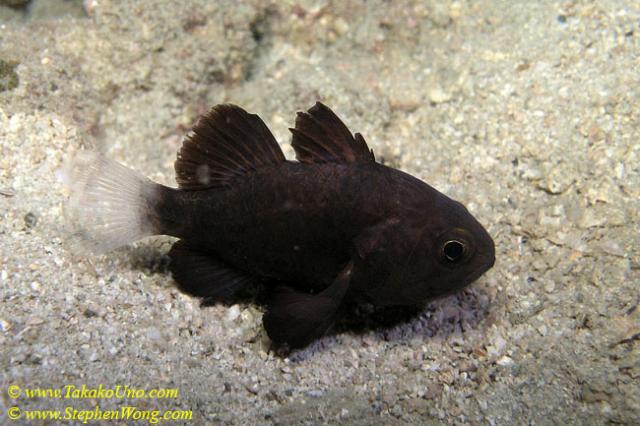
column 296, row 319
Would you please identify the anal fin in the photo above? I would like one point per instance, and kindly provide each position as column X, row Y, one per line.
column 202, row 274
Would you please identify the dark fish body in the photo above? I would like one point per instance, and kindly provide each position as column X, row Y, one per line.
column 334, row 226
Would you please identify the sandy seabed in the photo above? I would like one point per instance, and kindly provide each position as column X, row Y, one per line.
column 527, row 112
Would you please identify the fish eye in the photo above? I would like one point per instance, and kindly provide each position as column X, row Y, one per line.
column 454, row 247
column 453, row 250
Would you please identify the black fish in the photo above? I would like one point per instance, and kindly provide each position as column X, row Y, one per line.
column 333, row 227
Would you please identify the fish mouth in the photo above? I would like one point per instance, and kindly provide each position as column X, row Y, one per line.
column 488, row 263
column 487, row 258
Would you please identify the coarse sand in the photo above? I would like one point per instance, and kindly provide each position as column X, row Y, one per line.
column 527, row 112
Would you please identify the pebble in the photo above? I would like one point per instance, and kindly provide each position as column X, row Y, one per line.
column 437, row 95
column 154, row 334
column 247, row 316
column 253, row 389
column 396, row 410
column 467, row 366
column 558, row 180
column 341, row 26
column 232, row 313
column 94, row 310
column 497, row 346
column 505, row 361
column 433, row 390
column 7, row 192
column 590, row 218
column 315, row 393
column 549, row 286
column 418, row 405
column 30, row 220
column 611, row 247
column 34, row 321
column 4, row 325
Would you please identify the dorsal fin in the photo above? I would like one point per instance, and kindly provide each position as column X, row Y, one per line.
column 225, row 143
column 321, row 137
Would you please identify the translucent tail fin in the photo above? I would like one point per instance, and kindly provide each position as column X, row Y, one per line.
column 109, row 204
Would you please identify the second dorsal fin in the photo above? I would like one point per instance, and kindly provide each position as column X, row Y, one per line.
column 225, row 143
column 321, row 137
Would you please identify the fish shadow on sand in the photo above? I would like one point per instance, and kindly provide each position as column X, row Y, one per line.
column 440, row 317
